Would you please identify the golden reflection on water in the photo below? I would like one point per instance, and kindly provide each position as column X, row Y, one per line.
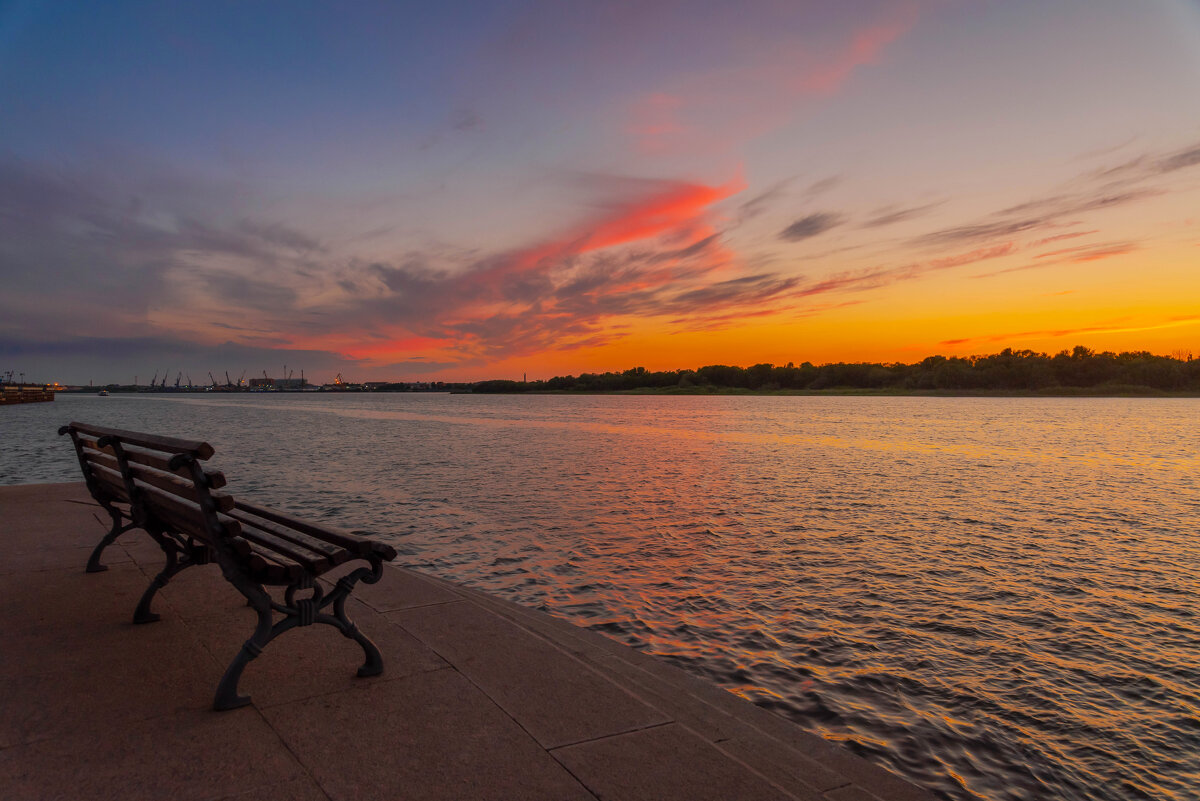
column 650, row 424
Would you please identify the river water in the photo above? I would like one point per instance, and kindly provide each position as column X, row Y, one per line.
column 994, row 597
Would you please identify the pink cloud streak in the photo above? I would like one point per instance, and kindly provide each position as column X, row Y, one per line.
column 714, row 112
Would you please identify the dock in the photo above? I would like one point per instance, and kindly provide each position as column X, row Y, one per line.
column 11, row 394
column 480, row 698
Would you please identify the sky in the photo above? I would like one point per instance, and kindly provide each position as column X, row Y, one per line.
column 461, row 191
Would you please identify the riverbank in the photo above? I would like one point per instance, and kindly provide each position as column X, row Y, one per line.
column 480, row 698
column 1049, row 392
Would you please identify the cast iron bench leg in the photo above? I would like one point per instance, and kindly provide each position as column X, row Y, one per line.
column 174, row 565
column 298, row 612
column 374, row 664
column 93, row 565
column 227, row 691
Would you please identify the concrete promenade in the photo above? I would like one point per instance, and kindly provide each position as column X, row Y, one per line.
column 480, row 698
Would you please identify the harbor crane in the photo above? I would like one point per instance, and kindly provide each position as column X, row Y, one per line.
column 178, row 378
column 210, row 375
column 154, row 380
column 189, row 383
column 228, row 383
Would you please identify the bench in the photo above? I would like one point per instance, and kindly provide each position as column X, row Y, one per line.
column 159, row 484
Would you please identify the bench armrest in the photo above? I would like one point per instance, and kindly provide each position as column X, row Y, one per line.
column 360, row 546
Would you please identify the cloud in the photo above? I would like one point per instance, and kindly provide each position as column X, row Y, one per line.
column 655, row 121
column 810, row 226
column 1069, row 256
column 1033, row 215
column 1181, row 160
column 1122, row 326
column 410, row 367
column 865, row 47
column 1091, row 252
column 653, row 254
column 1130, row 182
column 982, row 254
column 756, row 205
column 892, row 215
column 85, row 251
column 877, row 277
column 719, row 108
column 1060, row 237
column 466, row 120
column 817, row 188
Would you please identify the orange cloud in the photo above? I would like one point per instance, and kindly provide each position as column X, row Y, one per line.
column 1061, row 237
column 672, row 209
column 981, row 254
column 391, row 346
column 864, row 48
column 1111, row 328
column 677, row 207
column 651, row 256
column 1074, row 256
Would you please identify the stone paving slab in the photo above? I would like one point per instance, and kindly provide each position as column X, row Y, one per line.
column 480, row 698
column 725, row 720
column 553, row 696
column 184, row 756
column 432, row 736
column 112, row 690
column 305, row 789
column 666, row 763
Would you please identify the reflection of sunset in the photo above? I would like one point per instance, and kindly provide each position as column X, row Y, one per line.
column 933, row 580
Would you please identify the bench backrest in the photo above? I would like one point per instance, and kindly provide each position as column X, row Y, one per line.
column 170, row 492
column 162, row 479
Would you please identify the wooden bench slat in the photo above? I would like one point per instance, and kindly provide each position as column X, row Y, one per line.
column 351, row 542
column 183, row 514
column 334, row 553
column 198, row 449
column 110, row 481
column 147, row 458
column 267, row 568
column 178, row 486
column 101, row 458
column 314, row 563
column 272, row 557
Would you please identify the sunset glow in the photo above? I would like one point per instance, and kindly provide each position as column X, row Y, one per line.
column 474, row 192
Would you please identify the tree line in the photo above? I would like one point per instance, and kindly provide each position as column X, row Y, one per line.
column 1078, row 370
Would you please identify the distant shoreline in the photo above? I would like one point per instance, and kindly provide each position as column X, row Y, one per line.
column 1057, row 392
column 1049, row 392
